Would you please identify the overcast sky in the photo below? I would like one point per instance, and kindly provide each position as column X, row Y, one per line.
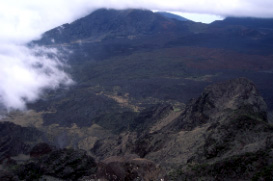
column 24, row 20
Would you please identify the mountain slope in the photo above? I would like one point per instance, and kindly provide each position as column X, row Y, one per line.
column 104, row 23
column 142, row 52
column 256, row 23
column 173, row 16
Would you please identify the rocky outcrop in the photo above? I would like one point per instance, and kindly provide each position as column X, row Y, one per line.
column 129, row 167
column 228, row 120
column 15, row 139
column 150, row 116
column 40, row 150
column 249, row 166
column 64, row 164
column 220, row 99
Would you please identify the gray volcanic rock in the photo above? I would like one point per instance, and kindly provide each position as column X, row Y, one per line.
column 129, row 168
column 235, row 94
column 248, row 166
column 40, row 150
column 150, row 116
column 15, row 139
column 226, row 121
column 217, row 99
column 8, row 176
column 65, row 164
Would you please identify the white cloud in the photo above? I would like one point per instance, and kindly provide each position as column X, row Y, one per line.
column 22, row 80
column 26, row 19
column 25, row 73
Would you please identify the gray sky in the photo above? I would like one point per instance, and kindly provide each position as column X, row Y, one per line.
column 21, row 21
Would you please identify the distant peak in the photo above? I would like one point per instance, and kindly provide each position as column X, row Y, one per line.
column 109, row 23
column 248, row 22
column 172, row 16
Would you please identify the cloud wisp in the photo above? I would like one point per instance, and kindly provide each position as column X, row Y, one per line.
column 26, row 72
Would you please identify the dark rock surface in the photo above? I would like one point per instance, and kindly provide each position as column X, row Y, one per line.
column 226, row 122
column 249, row 166
column 65, row 164
column 112, row 22
column 129, row 168
column 40, row 150
column 8, row 176
column 150, row 116
column 238, row 94
column 15, row 139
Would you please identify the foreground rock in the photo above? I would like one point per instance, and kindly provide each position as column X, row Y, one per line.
column 129, row 168
column 15, row 140
column 65, row 164
column 219, row 100
column 222, row 135
column 227, row 125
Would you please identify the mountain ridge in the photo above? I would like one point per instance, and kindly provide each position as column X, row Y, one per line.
column 262, row 23
column 172, row 16
column 120, row 22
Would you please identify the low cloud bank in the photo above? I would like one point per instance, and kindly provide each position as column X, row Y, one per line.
column 26, row 72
